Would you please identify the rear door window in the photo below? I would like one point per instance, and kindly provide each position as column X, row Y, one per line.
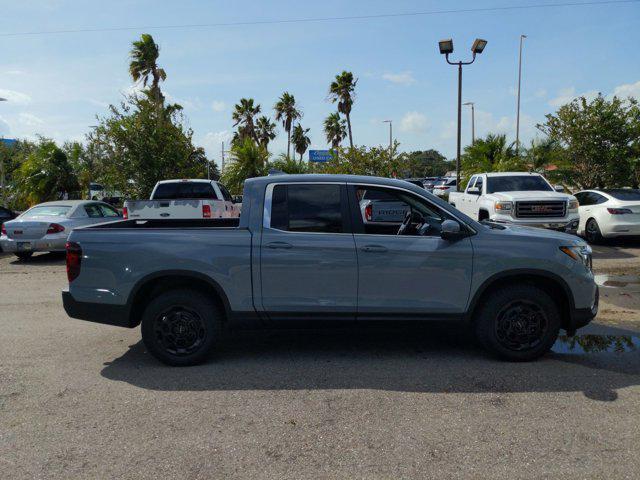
column 108, row 211
column 309, row 208
column 225, row 193
column 93, row 210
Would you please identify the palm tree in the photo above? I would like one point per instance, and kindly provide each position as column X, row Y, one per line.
column 243, row 116
column 248, row 160
column 144, row 64
column 335, row 130
column 265, row 131
column 287, row 113
column 300, row 139
column 341, row 91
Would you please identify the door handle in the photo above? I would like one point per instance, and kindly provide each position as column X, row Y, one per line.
column 374, row 248
column 282, row 245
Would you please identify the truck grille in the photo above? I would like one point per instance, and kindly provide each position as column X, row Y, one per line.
column 541, row 209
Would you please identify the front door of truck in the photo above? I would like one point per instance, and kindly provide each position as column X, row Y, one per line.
column 417, row 274
column 308, row 263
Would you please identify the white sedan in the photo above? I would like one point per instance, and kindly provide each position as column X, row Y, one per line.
column 46, row 227
column 608, row 213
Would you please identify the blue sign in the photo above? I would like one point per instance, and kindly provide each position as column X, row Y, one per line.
column 8, row 141
column 320, row 155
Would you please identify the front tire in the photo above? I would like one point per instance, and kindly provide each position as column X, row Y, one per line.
column 592, row 232
column 24, row 255
column 518, row 323
column 181, row 327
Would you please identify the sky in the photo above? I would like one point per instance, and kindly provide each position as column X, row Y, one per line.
column 57, row 83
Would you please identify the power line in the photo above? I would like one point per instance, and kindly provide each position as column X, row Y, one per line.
column 320, row 19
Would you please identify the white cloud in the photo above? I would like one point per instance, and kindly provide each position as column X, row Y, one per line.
column 30, row 120
column 566, row 95
column 414, row 122
column 15, row 97
column 402, row 78
column 541, row 93
column 5, row 129
column 212, row 143
column 628, row 90
column 218, row 106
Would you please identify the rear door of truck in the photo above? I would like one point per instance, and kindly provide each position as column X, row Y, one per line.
column 308, row 256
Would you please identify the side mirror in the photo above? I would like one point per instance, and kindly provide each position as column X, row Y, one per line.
column 473, row 190
column 450, row 230
column 558, row 188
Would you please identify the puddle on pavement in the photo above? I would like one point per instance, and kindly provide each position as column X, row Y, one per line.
column 596, row 344
column 618, row 281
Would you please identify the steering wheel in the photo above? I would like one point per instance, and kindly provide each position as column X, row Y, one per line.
column 406, row 223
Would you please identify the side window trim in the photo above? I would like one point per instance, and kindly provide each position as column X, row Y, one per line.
column 344, row 206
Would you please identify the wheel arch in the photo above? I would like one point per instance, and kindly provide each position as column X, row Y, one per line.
column 158, row 282
column 550, row 283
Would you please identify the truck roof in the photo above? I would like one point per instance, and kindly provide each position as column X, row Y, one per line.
column 321, row 177
column 509, row 174
column 186, row 180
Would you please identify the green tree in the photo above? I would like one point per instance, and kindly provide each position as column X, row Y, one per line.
column 429, row 163
column 335, row 129
column 45, row 174
column 287, row 113
column 300, row 139
column 11, row 157
column 375, row 161
column 144, row 64
column 244, row 114
column 265, row 131
column 289, row 165
column 130, row 150
column 341, row 91
column 599, row 139
column 248, row 160
column 490, row 154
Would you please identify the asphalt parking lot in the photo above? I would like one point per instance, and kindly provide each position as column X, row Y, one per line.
column 80, row 400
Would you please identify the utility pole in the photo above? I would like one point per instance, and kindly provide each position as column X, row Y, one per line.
column 473, row 122
column 2, row 193
column 222, row 157
column 390, row 122
column 522, row 37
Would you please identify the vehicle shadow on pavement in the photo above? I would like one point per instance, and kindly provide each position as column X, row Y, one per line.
column 425, row 359
column 52, row 258
column 613, row 249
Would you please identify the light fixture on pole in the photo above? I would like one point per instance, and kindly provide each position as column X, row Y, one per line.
column 473, row 121
column 390, row 122
column 446, row 49
column 522, row 37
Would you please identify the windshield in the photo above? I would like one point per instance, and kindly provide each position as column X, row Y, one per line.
column 624, row 194
column 47, row 211
column 517, row 183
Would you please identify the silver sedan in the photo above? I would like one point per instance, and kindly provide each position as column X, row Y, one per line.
column 46, row 227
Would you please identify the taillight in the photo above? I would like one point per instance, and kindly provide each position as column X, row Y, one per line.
column 206, row 210
column 74, row 258
column 618, row 211
column 368, row 212
column 125, row 213
column 4, row 230
column 55, row 228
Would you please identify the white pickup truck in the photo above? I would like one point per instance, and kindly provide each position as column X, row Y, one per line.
column 184, row 199
column 519, row 198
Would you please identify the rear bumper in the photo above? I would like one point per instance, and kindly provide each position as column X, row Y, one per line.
column 39, row 245
column 621, row 230
column 117, row 315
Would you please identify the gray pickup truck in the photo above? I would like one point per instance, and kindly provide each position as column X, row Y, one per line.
column 301, row 250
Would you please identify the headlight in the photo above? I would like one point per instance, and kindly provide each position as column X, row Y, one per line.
column 580, row 253
column 503, row 206
column 573, row 204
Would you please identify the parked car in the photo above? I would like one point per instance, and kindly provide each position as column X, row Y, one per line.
column 300, row 250
column 429, row 183
column 416, row 181
column 379, row 207
column 445, row 186
column 184, row 199
column 46, row 227
column 608, row 213
column 6, row 214
column 518, row 198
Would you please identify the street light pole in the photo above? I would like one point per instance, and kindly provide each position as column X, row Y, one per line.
column 390, row 122
column 446, row 48
column 522, row 37
column 473, row 122
column 2, row 193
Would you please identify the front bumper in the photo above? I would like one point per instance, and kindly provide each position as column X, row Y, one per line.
column 108, row 314
column 567, row 225
column 38, row 245
column 582, row 316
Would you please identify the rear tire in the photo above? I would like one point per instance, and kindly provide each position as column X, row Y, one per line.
column 24, row 255
column 592, row 232
column 518, row 323
column 181, row 327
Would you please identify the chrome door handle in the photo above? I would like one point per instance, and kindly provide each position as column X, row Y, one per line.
column 374, row 248
column 282, row 245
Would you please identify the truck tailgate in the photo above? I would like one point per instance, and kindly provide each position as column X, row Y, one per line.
column 188, row 208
